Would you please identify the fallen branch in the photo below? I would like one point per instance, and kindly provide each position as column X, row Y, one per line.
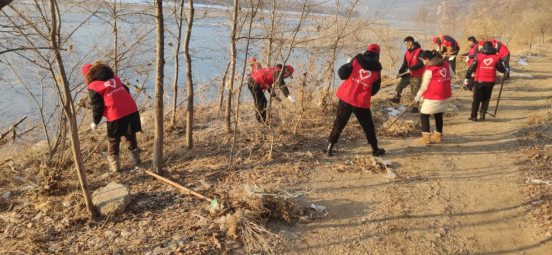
column 12, row 128
column 178, row 186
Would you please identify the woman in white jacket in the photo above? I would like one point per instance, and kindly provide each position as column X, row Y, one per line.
column 435, row 95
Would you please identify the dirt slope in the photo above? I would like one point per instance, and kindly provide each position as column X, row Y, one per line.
column 463, row 196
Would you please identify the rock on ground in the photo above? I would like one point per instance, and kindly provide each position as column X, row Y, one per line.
column 111, row 199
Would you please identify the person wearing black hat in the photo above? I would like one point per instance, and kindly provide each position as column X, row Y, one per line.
column 362, row 80
column 410, row 72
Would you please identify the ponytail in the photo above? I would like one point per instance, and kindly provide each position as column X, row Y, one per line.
column 430, row 54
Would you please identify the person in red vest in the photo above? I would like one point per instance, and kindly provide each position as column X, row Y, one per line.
column 474, row 50
column 449, row 49
column 484, row 65
column 265, row 79
column 362, row 78
column 435, row 94
column 504, row 54
column 412, row 70
column 254, row 65
column 111, row 99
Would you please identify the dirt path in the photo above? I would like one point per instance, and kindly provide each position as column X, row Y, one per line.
column 460, row 197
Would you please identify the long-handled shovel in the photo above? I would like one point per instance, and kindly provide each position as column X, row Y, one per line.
column 393, row 79
column 499, row 94
column 400, row 115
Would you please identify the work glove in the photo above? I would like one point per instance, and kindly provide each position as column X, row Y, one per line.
column 466, row 81
column 418, row 98
column 408, row 71
column 451, row 58
column 93, row 126
column 467, row 59
column 291, row 99
column 349, row 60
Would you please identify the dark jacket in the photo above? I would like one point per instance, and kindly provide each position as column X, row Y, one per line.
column 418, row 65
column 487, row 51
column 124, row 126
column 367, row 62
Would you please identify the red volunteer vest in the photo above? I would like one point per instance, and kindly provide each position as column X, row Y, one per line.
column 486, row 68
column 265, row 77
column 411, row 60
column 503, row 51
column 357, row 89
column 439, row 87
column 472, row 52
column 118, row 102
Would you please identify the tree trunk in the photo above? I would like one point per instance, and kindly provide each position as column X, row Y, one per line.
column 232, row 67
column 69, row 109
column 222, row 85
column 3, row 3
column 115, row 48
column 157, row 163
column 176, row 64
column 271, row 37
column 189, row 82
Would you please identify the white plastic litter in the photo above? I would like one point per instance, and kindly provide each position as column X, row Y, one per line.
column 456, row 86
column 392, row 112
column 536, row 181
column 6, row 195
column 522, row 61
column 318, row 208
column 390, row 174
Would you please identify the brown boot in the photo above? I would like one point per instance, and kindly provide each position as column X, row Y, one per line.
column 135, row 156
column 437, row 137
column 425, row 139
column 114, row 163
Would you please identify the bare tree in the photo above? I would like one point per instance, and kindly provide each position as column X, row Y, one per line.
column 189, row 82
column 68, row 106
column 228, row 118
column 157, row 164
column 179, row 22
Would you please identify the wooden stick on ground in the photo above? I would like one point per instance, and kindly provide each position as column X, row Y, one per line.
column 178, row 186
column 410, row 106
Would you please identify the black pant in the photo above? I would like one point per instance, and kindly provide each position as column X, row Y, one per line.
column 114, row 142
column 364, row 117
column 452, row 64
column 260, row 100
column 481, row 96
column 438, row 122
column 506, row 61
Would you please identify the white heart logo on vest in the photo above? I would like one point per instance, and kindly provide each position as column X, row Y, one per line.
column 488, row 61
column 364, row 74
column 443, row 72
column 110, row 83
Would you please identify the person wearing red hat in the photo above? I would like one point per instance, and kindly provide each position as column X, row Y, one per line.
column 504, row 54
column 410, row 72
column 448, row 47
column 254, row 65
column 266, row 79
column 110, row 98
column 362, row 80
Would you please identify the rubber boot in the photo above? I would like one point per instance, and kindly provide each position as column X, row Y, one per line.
column 329, row 151
column 414, row 110
column 135, row 156
column 437, row 137
column 114, row 163
column 424, row 139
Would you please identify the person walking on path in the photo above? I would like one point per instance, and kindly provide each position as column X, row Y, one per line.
column 435, row 95
column 362, row 80
column 412, row 70
column 110, row 98
column 266, row 79
column 484, row 65
column 449, row 48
